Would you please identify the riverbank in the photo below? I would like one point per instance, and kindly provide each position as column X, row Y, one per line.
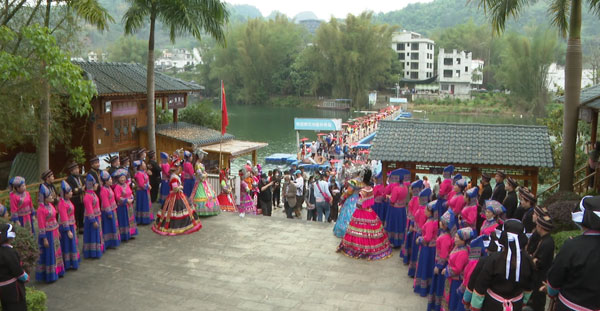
column 480, row 104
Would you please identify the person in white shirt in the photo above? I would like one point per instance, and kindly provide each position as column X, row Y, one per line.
column 323, row 197
column 299, row 182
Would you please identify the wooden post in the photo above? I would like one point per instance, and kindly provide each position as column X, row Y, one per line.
column 175, row 116
column 254, row 160
column 534, row 181
column 594, row 126
column 384, row 169
column 474, row 174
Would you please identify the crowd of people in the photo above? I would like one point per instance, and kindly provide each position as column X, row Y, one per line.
column 472, row 247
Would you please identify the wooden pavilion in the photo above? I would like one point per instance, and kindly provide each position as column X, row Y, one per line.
column 427, row 147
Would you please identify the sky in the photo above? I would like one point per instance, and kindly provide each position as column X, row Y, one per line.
column 324, row 9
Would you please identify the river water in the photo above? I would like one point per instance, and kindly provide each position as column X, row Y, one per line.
column 275, row 125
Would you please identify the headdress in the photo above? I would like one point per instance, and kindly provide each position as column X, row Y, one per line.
column 431, row 205
column 473, row 192
column 425, row 193
column 64, row 188
column 71, row 166
column 466, row 233
column 6, row 233
column 524, row 192
column 187, row 154
column 90, row 181
column 417, row 184
column 17, row 181
column 486, row 177
column 118, row 173
column 151, row 153
column 164, row 156
column 111, row 159
column 200, row 153
column 94, row 159
column 448, row 219
column 124, row 159
column 104, row 175
column 46, row 174
column 589, row 214
column 137, row 163
column 44, row 192
column 495, row 207
column 513, row 183
column 545, row 221
column 397, row 175
column 457, row 177
column 501, row 173
column 462, row 183
column 448, row 170
column 513, row 234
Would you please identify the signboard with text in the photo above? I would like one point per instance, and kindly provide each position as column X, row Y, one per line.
column 176, row 101
column 317, row 124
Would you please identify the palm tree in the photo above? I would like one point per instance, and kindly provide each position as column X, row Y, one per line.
column 566, row 16
column 180, row 16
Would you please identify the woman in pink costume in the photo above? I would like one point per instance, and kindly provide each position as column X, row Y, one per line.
column 188, row 174
column 93, row 242
column 365, row 237
column 68, row 229
column 420, row 219
column 50, row 265
column 443, row 245
column 21, row 207
column 468, row 215
column 379, row 195
column 143, row 206
column 164, row 176
column 108, row 205
column 457, row 262
column 395, row 219
column 493, row 210
column 413, row 204
column 226, row 201
column 426, row 261
column 246, row 202
column 458, row 202
column 124, row 199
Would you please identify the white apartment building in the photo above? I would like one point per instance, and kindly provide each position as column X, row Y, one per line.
column 455, row 72
column 178, row 58
column 415, row 53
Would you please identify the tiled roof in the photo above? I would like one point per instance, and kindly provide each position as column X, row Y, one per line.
column 462, row 143
column 589, row 97
column 191, row 133
column 130, row 78
column 26, row 166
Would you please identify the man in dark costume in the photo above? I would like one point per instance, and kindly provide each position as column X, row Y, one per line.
column 95, row 172
column 525, row 210
column 499, row 192
column 114, row 163
column 574, row 275
column 510, row 201
column 12, row 275
column 154, row 169
column 486, row 194
column 543, row 254
column 76, row 184
column 48, row 182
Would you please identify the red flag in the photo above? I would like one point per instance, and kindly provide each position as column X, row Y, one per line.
column 224, row 117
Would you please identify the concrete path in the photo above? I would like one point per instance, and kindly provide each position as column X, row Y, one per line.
column 233, row 263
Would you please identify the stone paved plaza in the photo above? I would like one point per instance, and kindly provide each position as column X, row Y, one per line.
column 233, row 263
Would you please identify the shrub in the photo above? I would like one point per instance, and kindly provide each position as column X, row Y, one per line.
column 561, row 237
column 36, row 299
column 561, row 215
column 560, row 196
column 201, row 113
column 26, row 245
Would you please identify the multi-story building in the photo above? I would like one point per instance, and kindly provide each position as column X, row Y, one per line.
column 178, row 58
column 456, row 72
column 415, row 53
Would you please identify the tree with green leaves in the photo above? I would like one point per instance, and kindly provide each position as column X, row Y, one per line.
column 128, row 49
column 566, row 16
column 181, row 17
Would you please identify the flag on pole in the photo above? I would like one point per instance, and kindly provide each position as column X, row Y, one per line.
column 224, row 117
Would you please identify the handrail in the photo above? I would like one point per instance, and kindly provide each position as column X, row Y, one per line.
column 581, row 184
column 577, row 172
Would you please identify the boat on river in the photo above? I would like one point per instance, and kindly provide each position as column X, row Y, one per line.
column 343, row 104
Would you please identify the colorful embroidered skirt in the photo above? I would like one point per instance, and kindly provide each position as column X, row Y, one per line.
column 93, row 242
column 204, row 200
column 395, row 225
column 176, row 217
column 69, row 248
column 110, row 230
column 247, row 204
column 123, row 220
column 226, row 202
column 345, row 215
column 143, row 209
column 50, row 266
column 452, row 296
column 436, row 292
column 424, row 271
column 365, row 237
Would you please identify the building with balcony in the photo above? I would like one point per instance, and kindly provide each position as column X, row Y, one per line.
column 458, row 73
column 416, row 53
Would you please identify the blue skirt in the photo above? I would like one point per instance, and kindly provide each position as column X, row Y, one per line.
column 455, row 301
column 143, row 214
column 93, row 245
column 406, row 245
column 414, row 255
column 165, row 189
column 436, row 292
column 395, row 225
column 379, row 208
column 69, row 248
column 424, row 272
column 123, row 219
column 345, row 215
column 110, row 232
column 50, row 265
column 188, row 186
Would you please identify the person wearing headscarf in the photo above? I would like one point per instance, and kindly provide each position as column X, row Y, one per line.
column 485, row 193
column 413, row 205
column 458, row 202
column 573, row 277
column 77, row 187
column 479, row 250
column 68, row 228
column 349, row 199
column 448, row 171
column 457, row 261
column 143, row 206
column 50, row 266
column 511, row 202
column 455, row 179
column 204, row 199
column 165, row 167
column 542, row 255
column 426, row 262
column 395, row 219
column 48, row 182
column 187, row 174
column 108, row 206
column 176, row 216
column 468, row 215
column 443, row 245
column 21, row 206
column 125, row 210
column 225, row 198
column 493, row 210
column 420, row 219
column 93, row 242
column 12, row 275
column 365, row 236
column 154, row 173
column 525, row 211
column 379, row 195
column 505, row 281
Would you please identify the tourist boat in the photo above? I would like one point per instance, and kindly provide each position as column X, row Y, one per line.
column 336, row 104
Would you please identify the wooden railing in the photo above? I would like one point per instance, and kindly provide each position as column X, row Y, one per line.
column 579, row 187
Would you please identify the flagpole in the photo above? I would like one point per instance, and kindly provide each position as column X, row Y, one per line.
column 221, row 139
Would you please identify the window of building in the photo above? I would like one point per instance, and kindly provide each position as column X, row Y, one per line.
column 414, row 75
column 414, row 56
column 414, row 47
column 444, row 87
column 448, row 61
column 401, row 56
column 399, row 46
column 458, row 73
column 458, row 61
column 447, row 73
column 466, row 68
column 414, row 65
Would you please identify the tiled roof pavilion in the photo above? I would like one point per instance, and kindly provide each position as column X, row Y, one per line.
column 425, row 147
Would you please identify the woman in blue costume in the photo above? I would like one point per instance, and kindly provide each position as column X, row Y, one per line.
column 413, row 205
column 395, row 218
column 379, row 194
column 419, row 214
column 350, row 198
